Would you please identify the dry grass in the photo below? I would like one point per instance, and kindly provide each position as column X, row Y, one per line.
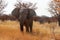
column 9, row 30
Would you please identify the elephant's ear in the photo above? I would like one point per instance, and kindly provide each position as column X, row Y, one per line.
column 32, row 13
column 15, row 12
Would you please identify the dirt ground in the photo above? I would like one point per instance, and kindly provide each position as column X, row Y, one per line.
column 9, row 30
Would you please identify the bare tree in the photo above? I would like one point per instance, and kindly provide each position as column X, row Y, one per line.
column 29, row 5
column 54, row 7
column 53, row 10
column 2, row 6
column 58, row 6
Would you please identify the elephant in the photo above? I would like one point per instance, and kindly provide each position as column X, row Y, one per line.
column 25, row 18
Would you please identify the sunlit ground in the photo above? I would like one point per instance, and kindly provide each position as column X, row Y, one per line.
column 9, row 30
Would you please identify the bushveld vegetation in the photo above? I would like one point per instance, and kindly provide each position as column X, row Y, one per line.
column 9, row 30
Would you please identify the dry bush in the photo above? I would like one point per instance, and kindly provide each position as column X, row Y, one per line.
column 9, row 30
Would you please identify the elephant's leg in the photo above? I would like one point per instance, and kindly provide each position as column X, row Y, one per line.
column 30, row 26
column 27, row 28
column 21, row 27
column 59, row 23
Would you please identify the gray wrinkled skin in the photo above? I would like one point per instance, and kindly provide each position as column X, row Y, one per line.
column 25, row 17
